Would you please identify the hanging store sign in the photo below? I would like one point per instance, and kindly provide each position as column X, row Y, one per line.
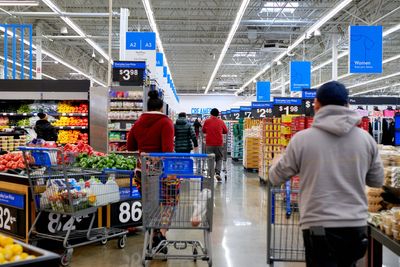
column 245, row 112
column 286, row 106
column 261, row 110
column 200, row 110
column 235, row 114
column 129, row 73
column 308, row 101
column 159, row 59
column 224, row 115
column 263, row 91
column 365, row 48
column 300, row 75
column 165, row 72
column 140, row 41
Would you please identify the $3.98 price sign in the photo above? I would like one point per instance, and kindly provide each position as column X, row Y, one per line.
column 126, row 75
column 129, row 73
column 261, row 110
column 283, row 106
column 126, row 213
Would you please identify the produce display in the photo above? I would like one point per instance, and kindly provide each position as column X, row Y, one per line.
column 71, row 137
column 82, row 148
column 11, row 161
column 70, row 107
column 111, row 161
column 12, row 252
column 11, row 143
column 71, row 121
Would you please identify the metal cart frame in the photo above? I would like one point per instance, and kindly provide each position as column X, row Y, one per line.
column 172, row 186
column 47, row 159
column 284, row 236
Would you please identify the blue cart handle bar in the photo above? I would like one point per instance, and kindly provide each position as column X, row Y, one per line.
column 27, row 148
column 176, row 155
column 118, row 171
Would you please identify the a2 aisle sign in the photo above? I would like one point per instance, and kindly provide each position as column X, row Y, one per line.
column 287, row 106
column 140, row 41
column 261, row 110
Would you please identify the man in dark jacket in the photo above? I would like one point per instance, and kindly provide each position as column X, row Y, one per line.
column 44, row 129
column 185, row 137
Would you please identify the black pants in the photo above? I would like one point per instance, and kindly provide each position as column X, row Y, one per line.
column 335, row 247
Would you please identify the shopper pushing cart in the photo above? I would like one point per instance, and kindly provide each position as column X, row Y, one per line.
column 178, row 192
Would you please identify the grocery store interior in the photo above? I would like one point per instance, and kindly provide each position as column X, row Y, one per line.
column 96, row 97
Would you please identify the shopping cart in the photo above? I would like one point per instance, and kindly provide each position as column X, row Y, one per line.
column 225, row 156
column 62, row 189
column 178, row 193
column 284, row 236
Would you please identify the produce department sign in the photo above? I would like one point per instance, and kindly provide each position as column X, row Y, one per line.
column 365, row 49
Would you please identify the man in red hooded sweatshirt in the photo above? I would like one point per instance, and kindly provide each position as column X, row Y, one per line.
column 214, row 128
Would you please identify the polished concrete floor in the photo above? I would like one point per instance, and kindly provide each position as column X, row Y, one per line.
column 238, row 237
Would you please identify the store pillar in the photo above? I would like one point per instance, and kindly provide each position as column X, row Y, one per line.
column 335, row 42
column 39, row 35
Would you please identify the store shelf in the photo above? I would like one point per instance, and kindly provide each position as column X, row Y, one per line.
column 126, row 109
column 126, row 99
column 14, row 114
column 71, row 127
column 123, row 119
column 117, row 141
column 119, row 130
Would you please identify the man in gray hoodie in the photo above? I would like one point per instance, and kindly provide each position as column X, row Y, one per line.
column 335, row 160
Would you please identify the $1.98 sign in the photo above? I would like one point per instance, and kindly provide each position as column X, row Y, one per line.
column 283, row 106
column 260, row 110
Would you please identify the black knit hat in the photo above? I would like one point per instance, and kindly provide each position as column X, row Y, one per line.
column 215, row 112
column 333, row 93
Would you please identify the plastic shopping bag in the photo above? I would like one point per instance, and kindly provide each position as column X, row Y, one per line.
column 200, row 207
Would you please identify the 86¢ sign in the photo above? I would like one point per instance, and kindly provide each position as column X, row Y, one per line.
column 127, row 213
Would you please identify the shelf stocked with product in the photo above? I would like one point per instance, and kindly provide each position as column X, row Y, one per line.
column 66, row 104
column 251, row 144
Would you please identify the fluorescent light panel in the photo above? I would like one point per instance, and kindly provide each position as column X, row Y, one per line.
column 19, row 3
column 313, row 28
column 376, row 89
column 228, row 41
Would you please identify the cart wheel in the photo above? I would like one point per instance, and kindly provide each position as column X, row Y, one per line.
column 122, row 242
column 103, row 242
column 66, row 257
column 195, row 253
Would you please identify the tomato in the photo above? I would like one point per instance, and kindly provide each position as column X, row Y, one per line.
column 9, row 164
column 8, row 157
column 2, row 168
column 21, row 165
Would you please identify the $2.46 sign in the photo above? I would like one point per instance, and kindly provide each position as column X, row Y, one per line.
column 260, row 110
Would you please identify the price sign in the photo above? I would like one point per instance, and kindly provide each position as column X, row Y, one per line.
column 53, row 223
column 245, row 112
column 261, row 110
column 12, row 214
column 129, row 73
column 283, row 106
column 308, row 101
column 224, row 115
column 235, row 114
column 127, row 213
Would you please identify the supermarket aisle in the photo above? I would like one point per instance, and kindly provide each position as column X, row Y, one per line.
column 239, row 235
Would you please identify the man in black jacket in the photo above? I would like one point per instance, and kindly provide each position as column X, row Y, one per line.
column 185, row 136
column 44, row 129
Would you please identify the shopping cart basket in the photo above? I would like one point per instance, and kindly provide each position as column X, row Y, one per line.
column 178, row 193
column 62, row 189
column 284, row 236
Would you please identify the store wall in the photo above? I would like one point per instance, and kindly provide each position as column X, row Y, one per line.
column 187, row 102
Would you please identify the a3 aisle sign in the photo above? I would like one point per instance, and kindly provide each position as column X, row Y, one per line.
column 261, row 110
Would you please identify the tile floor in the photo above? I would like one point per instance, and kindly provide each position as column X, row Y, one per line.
column 238, row 237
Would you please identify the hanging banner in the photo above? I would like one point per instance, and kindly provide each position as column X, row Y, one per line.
column 140, row 41
column 365, row 48
column 159, row 59
column 245, row 112
column 261, row 110
column 300, row 75
column 263, row 90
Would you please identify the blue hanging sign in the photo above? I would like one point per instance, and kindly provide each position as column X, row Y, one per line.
column 129, row 65
column 165, row 72
column 300, row 75
column 365, row 49
column 309, row 93
column 287, row 101
column 169, row 78
column 159, row 59
column 263, row 91
column 261, row 105
column 12, row 200
column 260, row 110
column 140, row 41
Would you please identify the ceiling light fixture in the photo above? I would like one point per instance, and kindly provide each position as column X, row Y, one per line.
column 317, row 32
column 93, row 54
column 228, row 41
column 19, row 3
column 101, row 60
column 299, row 40
column 153, row 26
column 76, row 28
